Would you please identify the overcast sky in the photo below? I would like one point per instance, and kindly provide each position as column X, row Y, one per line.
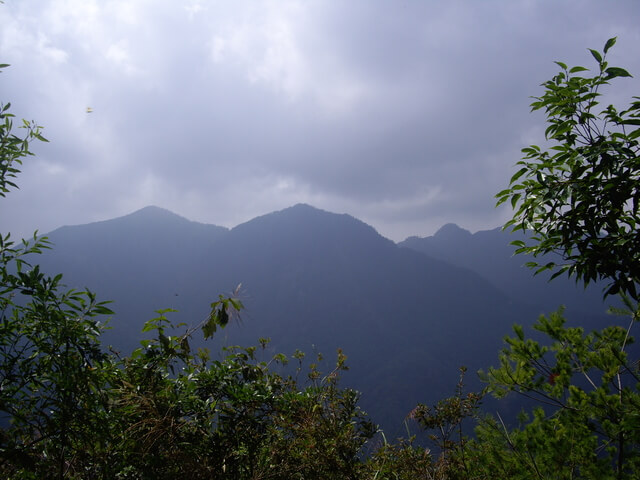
column 405, row 114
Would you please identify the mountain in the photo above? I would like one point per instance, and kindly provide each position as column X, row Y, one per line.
column 312, row 280
column 489, row 254
column 140, row 261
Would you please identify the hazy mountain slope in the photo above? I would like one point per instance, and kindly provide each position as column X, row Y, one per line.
column 312, row 280
column 490, row 254
column 142, row 261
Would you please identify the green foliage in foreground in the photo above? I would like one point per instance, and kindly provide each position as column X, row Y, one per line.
column 580, row 201
column 70, row 409
column 580, row 198
column 587, row 424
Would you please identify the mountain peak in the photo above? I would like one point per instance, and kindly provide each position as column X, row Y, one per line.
column 153, row 212
column 303, row 223
column 451, row 230
column 151, row 208
column 150, row 220
column 302, row 206
column 303, row 209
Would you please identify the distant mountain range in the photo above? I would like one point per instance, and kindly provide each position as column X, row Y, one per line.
column 407, row 315
column 490, row 254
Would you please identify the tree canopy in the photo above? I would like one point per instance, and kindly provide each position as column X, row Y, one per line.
column 580, row 197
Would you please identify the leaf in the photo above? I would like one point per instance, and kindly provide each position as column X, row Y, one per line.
column 501, row 200
column 162, row 311
column 236, row 304
column 148, row 326
column 561, row 65
column 558, row 273
column 518, row 174
column 102, row 310
column 209, row 328
column 578, row 69
column 223, row 317
column 613, row 72
column 610, row 43
column 519, row 331
column 613, row 289
column 596, row 55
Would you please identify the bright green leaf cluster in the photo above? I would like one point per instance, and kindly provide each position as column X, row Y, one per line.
column 579, row 199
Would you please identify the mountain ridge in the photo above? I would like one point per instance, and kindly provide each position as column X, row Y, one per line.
column 490, row 254
column 311, row 279
column 149, row 215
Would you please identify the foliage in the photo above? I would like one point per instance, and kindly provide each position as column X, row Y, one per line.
column 410, row 459
column 445, row 420
column 581, row 202
column 184, row 414
column 13, row 149
column 580, row 198
column 587, row 424
column 52, row 371
column 75, row 411
column 403, row 460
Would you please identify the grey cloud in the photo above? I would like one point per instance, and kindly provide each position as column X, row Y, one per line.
column 406, row 114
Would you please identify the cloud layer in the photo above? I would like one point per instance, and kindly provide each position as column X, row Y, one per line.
column 407, row 115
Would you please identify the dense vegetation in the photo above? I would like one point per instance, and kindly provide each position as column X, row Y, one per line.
column 70, row 409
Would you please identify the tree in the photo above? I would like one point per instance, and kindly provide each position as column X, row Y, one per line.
column 580, row 201
column 52, row 370
column 179, row 413
column 587, row 420
column 580, row 197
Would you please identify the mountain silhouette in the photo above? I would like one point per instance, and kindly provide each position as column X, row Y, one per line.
column 490, row 254
column 311, row 280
